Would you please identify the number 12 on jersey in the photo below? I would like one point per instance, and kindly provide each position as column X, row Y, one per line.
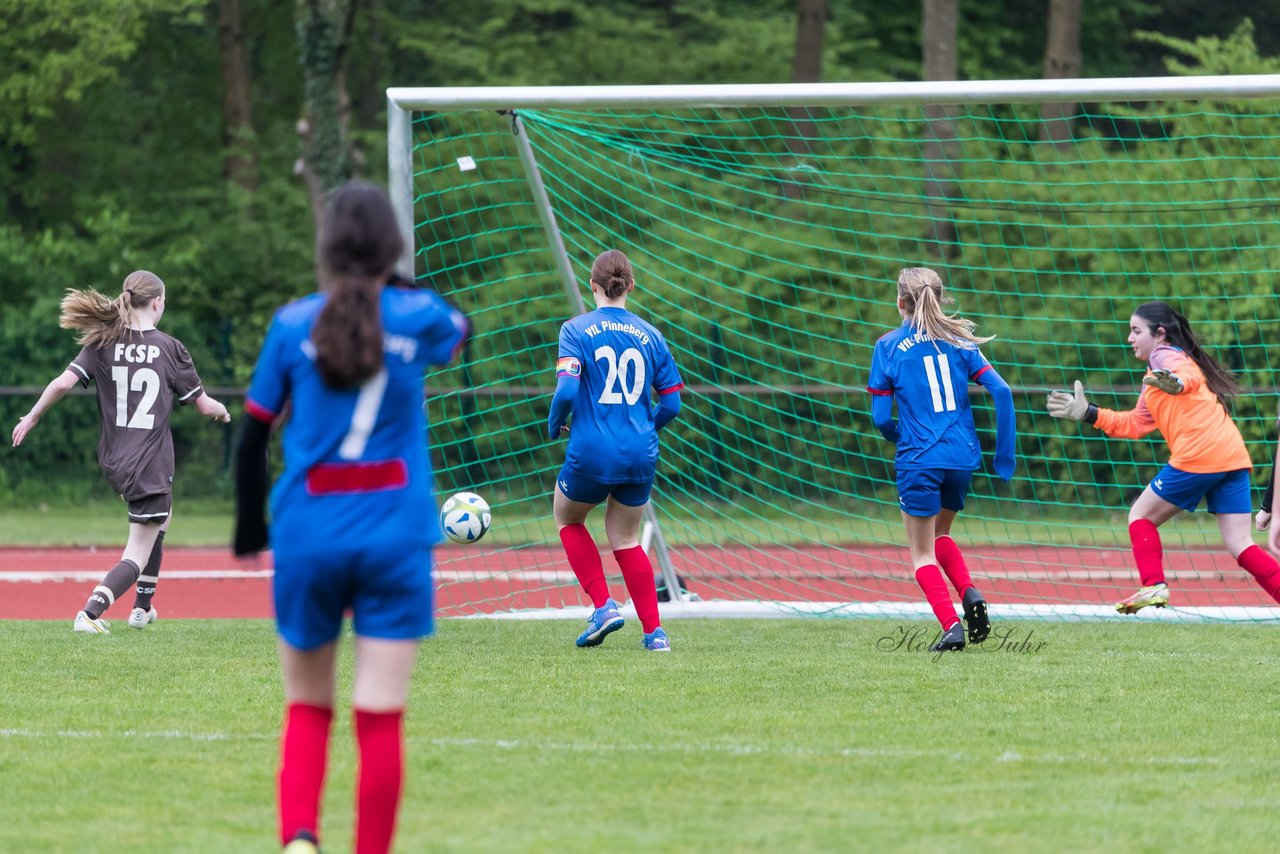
column 938, row 371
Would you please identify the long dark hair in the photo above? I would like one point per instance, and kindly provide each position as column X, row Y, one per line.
column 359, row 244
column 1160, row 316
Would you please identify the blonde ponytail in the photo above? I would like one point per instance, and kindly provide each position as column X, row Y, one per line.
column 920, row 290
column 101, row 320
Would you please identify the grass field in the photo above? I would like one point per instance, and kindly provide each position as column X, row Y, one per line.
column 750, row 736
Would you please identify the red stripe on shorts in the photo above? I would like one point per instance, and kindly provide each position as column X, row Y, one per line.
column 357, row 478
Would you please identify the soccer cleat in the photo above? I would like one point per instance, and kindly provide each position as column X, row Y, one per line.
column 975, row 616
column 140, row 619
column 90, row 625
column 656, row 641
column 952, row 640
column 303, row 842
column 602, row 622
column 1155, row 594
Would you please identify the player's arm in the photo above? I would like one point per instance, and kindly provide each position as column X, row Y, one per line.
column 211, row 408
column 1134, row 424
column 1273, row 536
column 882, row 413
column 251, row 486
column 881, row 391
column 568, row 377
column 52, row 393
column 667, row 408
column 1006, row 423
column 1263, row 519
column 562, row 404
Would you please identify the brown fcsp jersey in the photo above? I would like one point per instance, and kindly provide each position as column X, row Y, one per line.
column 139, row 380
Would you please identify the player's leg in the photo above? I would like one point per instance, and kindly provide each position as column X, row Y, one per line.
column 623, row 517
column 118, row 579
column 1153, row 508
column 1230, row 500
column 955, row 488
column 143, row 614
column 919, row 497
column 310, row 594
column 394, row 608
column 309, row 685
column 574, row 498
column 383, row 671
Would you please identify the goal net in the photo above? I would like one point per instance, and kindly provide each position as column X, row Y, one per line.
column 766, row 225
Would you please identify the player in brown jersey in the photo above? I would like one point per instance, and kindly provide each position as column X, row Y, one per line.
column 141, row 373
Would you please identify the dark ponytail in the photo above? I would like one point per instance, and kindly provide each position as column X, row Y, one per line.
column 1177, row 330
column 359, row 244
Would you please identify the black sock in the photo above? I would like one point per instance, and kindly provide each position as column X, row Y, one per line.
column 150, row 576
column 121, row 577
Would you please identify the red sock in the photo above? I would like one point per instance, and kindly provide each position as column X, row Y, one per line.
column 929, row 578
column 1263, row 568
column 584, row 558
column 637, row 573
column 1147, row 551
column 953, row 564
column 381, row 745
column 304, row 747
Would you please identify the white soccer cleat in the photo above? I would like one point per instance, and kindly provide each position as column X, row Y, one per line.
column 140, row 619
column 90, row 626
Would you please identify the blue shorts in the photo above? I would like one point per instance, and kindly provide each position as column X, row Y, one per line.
column 588, row 490
column 390, row 594
column 923, row 492
column 1224, row 492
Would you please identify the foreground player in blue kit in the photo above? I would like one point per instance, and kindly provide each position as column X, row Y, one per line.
column 609, row 360
column 926, row 365
column 353, row 517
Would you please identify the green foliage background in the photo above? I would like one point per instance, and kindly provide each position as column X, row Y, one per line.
column 112, row 158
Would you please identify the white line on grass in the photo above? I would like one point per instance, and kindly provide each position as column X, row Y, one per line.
column 784, row 751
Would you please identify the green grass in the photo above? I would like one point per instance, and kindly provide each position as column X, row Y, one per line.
column 750, row 736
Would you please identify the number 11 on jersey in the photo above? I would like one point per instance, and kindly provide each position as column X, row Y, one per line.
column 939, row 389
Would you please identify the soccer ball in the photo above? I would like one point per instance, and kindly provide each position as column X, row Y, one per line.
column 465, row 517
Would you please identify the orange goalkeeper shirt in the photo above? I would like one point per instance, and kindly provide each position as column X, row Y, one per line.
column 1201, row 435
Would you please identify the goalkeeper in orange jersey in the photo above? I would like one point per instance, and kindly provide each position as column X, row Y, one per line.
column 1184, row 395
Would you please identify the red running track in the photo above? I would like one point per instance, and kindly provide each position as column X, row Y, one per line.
column 52, row 583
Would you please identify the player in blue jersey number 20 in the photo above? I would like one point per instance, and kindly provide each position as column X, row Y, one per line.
column 353, row 519
column 925, row 366
column 609, row 360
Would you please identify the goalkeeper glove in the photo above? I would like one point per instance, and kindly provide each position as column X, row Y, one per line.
column 1073, row 406
column 1167, row 381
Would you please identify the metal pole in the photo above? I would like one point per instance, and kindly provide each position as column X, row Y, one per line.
column 548, row 217
column 400, row 179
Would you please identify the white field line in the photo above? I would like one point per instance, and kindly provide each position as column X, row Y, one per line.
column 557, row 576
column 34, row 576
column 726, row 749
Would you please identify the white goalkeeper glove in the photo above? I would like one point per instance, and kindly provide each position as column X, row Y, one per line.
column 1167, row 381
column 1072, row 405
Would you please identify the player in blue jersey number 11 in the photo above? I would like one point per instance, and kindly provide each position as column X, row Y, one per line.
column 925, row 366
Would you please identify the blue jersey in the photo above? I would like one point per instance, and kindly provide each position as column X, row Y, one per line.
column 617, row 358
column 356, row 470
column 929, row 380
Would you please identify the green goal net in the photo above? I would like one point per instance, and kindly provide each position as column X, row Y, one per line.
column 766, row 242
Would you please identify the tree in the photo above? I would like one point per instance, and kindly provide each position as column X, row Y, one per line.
column 941, row 24
column 1063, row 59
column 806, row 67
column 241, row 166
column 323, row 32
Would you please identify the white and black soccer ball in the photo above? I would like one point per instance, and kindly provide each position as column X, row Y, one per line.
column 465, row 517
